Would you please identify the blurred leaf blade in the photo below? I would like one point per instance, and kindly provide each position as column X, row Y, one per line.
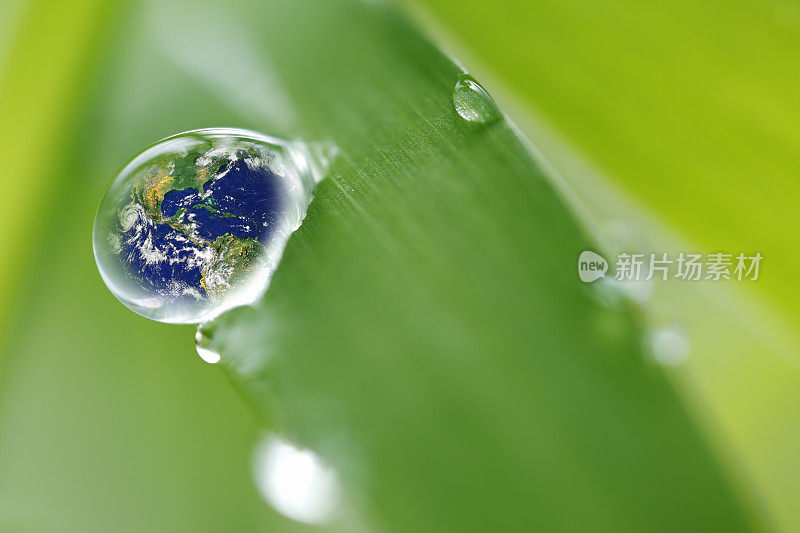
column 36, row 112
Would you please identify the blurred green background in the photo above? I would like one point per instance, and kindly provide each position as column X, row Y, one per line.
column 678, row 119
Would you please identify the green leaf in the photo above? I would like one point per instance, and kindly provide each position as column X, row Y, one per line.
column 426, row 331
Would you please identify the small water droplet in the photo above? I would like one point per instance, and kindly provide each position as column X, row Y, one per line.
column 669, row 345
column 619, row 237
column 473, row 103
column 612, row 293
column 195, row 224
column 637, row 290
column 606, row 292
column 201, row 344
column 295, row 481
column 209, row 356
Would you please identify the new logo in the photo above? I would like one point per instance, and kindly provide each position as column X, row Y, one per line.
column 591, row 266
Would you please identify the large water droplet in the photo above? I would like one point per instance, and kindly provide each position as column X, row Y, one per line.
column 669, row 345
column 295, row 482
column 196, row 223
column 473, row 103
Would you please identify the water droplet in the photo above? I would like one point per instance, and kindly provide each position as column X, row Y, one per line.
column 619, row 237
column 196, row 223
column 473, row 103
column 669, row 345
column 637, row 290
column 295, row 482
column 207, row 355
column 201, row 344
column 612, row 293
column 606, row 292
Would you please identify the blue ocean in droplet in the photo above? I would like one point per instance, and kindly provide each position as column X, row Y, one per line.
column 239, row 200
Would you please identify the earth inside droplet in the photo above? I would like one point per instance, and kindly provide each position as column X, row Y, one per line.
column 196, row 223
